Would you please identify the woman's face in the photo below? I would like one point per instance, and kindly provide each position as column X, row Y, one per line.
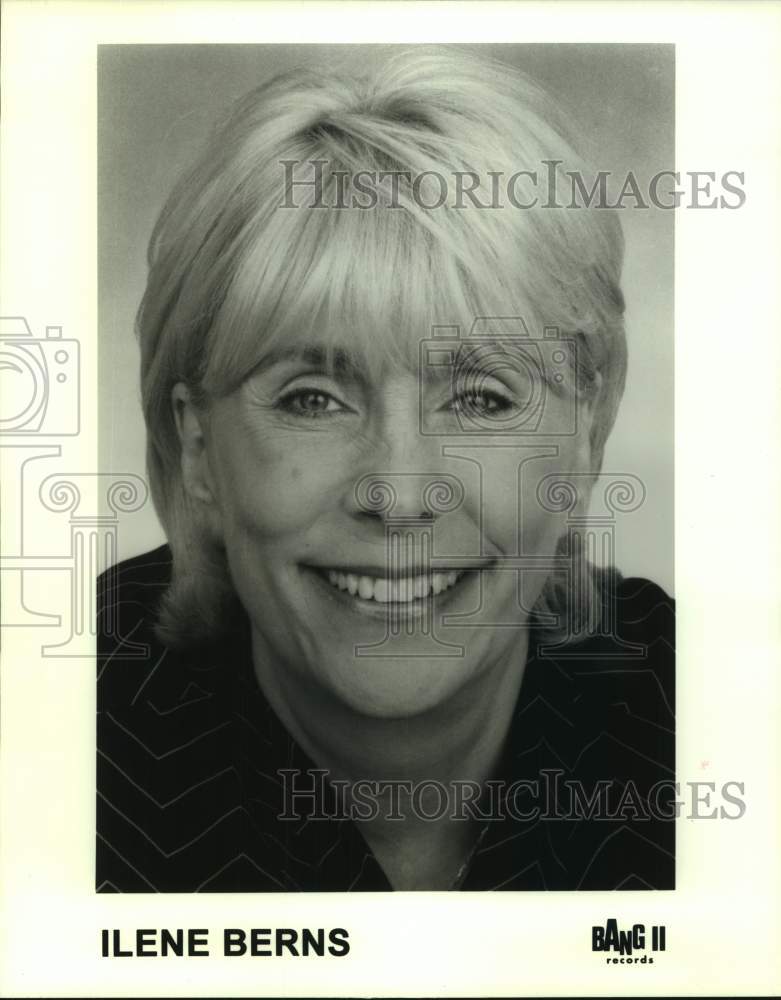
column 287, row 462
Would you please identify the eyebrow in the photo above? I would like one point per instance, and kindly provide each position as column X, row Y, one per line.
column 340, row 361
column 337, row 360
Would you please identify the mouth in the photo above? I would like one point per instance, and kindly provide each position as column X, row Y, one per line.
column 400, row 589
column 374, row 594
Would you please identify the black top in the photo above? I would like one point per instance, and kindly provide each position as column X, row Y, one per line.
column 189, row 750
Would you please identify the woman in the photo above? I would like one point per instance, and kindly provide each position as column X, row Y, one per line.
column 378, row 372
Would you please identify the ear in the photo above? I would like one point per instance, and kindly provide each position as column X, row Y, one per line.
column 196, row 472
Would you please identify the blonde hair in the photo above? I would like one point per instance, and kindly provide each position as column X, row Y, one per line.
column 233, row 273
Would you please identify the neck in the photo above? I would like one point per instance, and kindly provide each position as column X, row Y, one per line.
column 456, row 742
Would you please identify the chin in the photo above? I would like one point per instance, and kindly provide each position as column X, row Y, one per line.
column 403, row 686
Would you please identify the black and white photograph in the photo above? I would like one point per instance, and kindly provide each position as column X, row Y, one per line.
column 384, row 335
column 389, row 462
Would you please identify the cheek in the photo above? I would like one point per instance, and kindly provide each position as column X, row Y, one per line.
column 515, row 515
column 271, row 489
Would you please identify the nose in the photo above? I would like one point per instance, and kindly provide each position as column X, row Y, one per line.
column 386, row 494
column 403, row 477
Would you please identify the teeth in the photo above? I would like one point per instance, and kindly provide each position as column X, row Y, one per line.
column 401, row 590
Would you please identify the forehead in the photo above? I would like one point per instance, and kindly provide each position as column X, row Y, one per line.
column 369, row 290
column 372, row 282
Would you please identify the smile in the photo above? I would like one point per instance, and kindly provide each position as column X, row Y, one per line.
column 401, row 590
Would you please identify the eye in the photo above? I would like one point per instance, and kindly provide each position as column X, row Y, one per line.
column 483, row 403
column 308, row 402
